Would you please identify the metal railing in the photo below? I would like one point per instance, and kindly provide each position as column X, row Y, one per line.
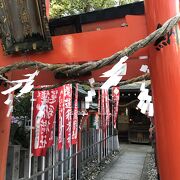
column 95, row 145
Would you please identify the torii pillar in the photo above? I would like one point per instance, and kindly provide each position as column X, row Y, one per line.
column 5, row 123
column 165, row 75
column 4, row 134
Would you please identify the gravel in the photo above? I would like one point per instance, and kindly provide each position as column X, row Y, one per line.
column 149, row 170
column 93, row 168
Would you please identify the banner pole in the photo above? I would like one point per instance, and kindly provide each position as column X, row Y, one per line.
column 63, row 145
column 108, row 140
column 62, row 153
column 30, row 146
column 104, row 137
column 70, row 162
column 76, row 161
column 43, row 168
column 99, row 146
column 112, row 123
column 54, row 147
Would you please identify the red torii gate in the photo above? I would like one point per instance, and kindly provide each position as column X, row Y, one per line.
column 164, row 74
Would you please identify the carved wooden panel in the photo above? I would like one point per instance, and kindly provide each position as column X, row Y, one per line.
column 24, row 26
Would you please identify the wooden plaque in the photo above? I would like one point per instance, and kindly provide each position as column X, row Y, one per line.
column 24, row 26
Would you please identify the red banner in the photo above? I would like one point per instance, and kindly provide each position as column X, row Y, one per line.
column 51, row 138
column 83, row 120
column 99, row 101
column 107, row 111
column 43, row 120
column 61, row 118
column 75, row 118
column 115, row 96
column 68, row 113
column 103, row 124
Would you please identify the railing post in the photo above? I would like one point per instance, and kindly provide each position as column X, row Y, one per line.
column 70, row 161
column 24, row 163
column 79, row 156
column 12, row 171
column 76, row 167
column 108, row 141
column 48, row 175
column 43, row 167
column 62, row 155
column 99, row 145
column 57, row 159
column 34, row 166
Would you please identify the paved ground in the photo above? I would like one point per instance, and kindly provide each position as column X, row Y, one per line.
column 129, row 164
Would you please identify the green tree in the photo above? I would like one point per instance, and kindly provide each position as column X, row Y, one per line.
column 22, row 107
column 61, row 8
column 122, row 2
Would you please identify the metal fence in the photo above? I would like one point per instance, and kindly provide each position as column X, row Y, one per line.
column 59, row 165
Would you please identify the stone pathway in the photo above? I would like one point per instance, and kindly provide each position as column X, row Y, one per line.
column 129, row 164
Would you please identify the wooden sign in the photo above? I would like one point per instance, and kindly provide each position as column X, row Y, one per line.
column 24, row 26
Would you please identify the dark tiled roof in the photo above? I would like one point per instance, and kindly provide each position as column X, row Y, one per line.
column 100, row 15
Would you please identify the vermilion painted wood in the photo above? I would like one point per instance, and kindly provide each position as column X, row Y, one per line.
column 73, row 48
column 4, row 135
column 165, row 74
column 90, row 46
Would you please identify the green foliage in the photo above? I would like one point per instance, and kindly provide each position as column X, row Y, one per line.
column 19, row 135
column 61, row 8
column 22, row 107
column 122, row 2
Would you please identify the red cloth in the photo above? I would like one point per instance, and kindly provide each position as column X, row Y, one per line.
column 68, row 113
column 75, row 118
column 115, row 97
column 61, row 118
column 44, row 111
